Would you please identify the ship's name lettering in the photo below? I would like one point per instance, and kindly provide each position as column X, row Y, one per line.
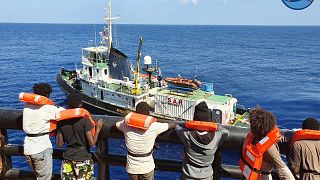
column 176, row 102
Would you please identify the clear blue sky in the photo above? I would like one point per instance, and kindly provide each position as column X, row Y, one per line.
column 216, row 12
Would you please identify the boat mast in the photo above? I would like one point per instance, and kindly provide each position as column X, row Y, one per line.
column 108, row 18
column 109, row 26
column 136, row 90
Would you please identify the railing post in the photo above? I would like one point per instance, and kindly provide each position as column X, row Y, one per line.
column 0, row 154
column 101, row 159
column 6, row 161
column 217, row 164
column 106, row 156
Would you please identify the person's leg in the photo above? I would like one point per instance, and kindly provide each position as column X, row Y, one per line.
column 133, row 176
column 85, row 169
column 42, row 164
column 30, row 161
column 147, row 176
column 66, row 170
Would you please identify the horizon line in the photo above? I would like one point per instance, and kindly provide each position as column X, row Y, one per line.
column 156, row 24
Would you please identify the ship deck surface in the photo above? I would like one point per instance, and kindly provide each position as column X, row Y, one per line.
column 196, row 95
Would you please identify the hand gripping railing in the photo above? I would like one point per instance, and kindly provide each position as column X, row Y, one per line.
column 12, row 119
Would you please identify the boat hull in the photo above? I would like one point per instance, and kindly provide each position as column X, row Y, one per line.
column 91, row 104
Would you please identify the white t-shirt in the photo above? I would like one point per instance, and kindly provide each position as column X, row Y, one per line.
column 141, row 142
column 36, row 119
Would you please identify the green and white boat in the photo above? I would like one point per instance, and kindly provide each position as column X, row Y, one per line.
column 109, row 84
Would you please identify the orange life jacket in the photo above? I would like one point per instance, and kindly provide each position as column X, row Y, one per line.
column 139, row 121
column 202, row 126
column 305, row 134
column 35, row 99
column 39, row 100
column 252, row 155
column 76, row 113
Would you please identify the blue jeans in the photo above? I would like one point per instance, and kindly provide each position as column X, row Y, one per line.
column 41, row 164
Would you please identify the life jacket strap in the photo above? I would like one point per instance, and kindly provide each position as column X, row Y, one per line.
column 140, row 155
column 311, row 172
column 254, row 169
column 37, row 135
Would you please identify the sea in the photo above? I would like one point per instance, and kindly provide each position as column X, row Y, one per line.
column 274, row 67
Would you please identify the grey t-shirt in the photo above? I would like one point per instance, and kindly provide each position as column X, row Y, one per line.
column 199, row 157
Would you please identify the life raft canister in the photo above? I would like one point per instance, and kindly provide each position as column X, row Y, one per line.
column 252, row 155
column 39, row 100
column 139, row 121
column 76, row 113
column 305, row 134
column 202, row 126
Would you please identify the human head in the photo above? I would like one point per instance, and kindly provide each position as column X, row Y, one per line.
column 261, row 122
column 43, row 89
column 201, row 112
column 143, row 108
column 74, row 100
column 311, row 123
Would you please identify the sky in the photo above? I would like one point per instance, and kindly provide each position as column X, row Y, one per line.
column 189, row 12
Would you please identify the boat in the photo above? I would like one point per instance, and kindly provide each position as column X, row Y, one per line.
column 183, row 82
column 109, row 84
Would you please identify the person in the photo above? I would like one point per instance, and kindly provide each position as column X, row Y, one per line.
column 140, row 132
column 79, row 132
column 37, row 113
column 304, row 154
column 260, row 153
column 200, row 145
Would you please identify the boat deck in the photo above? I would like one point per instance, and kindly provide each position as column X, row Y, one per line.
column 196, row 95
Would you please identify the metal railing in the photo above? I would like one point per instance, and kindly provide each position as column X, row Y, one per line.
column 12, row 119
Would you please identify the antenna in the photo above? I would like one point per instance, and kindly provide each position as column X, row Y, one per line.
column 95, row 32
column 109, row 19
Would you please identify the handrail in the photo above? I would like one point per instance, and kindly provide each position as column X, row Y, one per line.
column 0, row 154
column 12, row 119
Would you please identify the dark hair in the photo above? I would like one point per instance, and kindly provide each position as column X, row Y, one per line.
column 311, row 123
column 43, row 89
column 201, row 112
column 143, row 108
column 74, row 100
column 261, row 122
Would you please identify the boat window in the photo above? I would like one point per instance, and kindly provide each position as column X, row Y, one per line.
column 106, row 71
column 101, row 95
column 93, row 56
column 133, row 103
column 99, row 57
column 97, row 70
column 90, row 71
column 104, row 57
column 85, row 54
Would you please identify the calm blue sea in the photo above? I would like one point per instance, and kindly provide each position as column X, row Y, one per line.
column 277, row 68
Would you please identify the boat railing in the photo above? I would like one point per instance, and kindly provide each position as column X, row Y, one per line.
column 11, row 119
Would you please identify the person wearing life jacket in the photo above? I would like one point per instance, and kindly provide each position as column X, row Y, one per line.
column 260, row 153
column 201, row 139
column 79, row 132
column 304, row 154
column 140, row 131
column 38, row 111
